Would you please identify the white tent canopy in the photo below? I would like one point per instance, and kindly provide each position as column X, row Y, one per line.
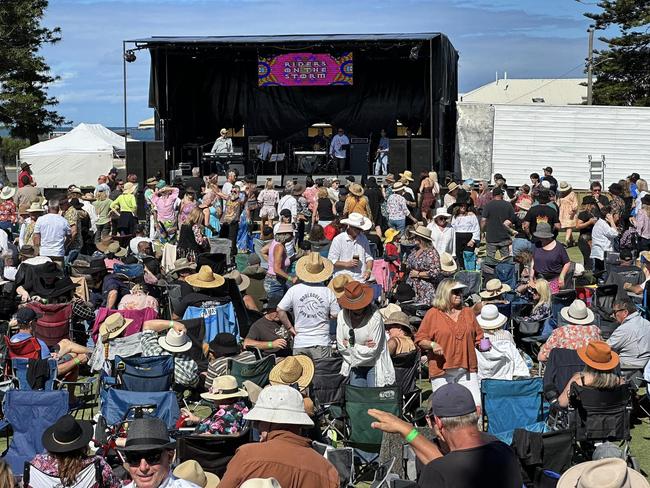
column 78, row 157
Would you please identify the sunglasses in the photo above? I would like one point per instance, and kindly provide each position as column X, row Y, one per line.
column 457, row 292
column 595, row 191
column 351, row 337
column 152, row 458
column 615, row 311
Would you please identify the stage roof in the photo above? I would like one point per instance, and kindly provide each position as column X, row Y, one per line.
column 286, row 38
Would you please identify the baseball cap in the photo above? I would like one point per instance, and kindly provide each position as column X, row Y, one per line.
column 113, row 171
column 452, row 400
column 26, row 315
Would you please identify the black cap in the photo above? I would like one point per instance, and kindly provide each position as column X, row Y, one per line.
column 625, row 254
column 26, row 315
column 497, row 192
column 452, row 400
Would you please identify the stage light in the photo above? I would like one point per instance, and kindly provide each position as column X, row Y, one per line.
column 129, row 56
column 415, row 53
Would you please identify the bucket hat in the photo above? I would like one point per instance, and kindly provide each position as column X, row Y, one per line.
column 205, row 278
column 113, row 326
column 313, row 268
column 604, row 473
column 448, row 263
column 490, row 318
column 284, row 229
column 280, row 404
column 147, row 434
column 67, row 434
column 564, row 186
column 175, row 341
column 388, row 310
column 224, row 387
column 494, row 288
column 356, row 296
column 441, row 212
column 337, row 285
column 599, row 355
column 402, row 320
column 357, row 220
column 543, row 231
column 577, row 313
column 192, row 471
column 293, row 370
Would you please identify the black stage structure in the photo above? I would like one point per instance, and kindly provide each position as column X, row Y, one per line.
column 200, row 84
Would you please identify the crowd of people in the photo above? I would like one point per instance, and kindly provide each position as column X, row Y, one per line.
column 362, row 271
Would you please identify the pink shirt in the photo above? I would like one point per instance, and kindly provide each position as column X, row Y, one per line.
column 165, row 204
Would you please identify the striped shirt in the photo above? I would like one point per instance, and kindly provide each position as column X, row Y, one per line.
column 219, row 366
column 186, row 372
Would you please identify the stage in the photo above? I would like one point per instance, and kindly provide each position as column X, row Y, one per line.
column 283, row 89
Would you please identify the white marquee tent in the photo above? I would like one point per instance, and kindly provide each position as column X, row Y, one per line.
column 78, row 157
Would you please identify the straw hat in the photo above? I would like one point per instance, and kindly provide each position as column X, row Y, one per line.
column 577, row 313
column 564, row 186
column 183, row 264
column 280, row 404
column 390, row 178
column 74, row 190
column 599, row 355
column 451, row 187
column 356, row 189
column 223, row 132
column 441, row 212
column 7, row 192
column 389, row 309
column 293, row 370
column 243, row 281
column 108, row 246
column 129, row 187
column 604, row 473
column 490, row 318
column 407, row 175
column 152, row 181
column 113, row 326
column 357, row 220
column 401, row 319
column 88, row 197
column 494, row 288
column 192, row 471
column 205, row 278
column 337, row 285
column 175, row 341
column 313, row 268
column 356, row 296
column 423, row 232
column 223, row 387
column 298, row 190
column 447, row 263
column 390, row 234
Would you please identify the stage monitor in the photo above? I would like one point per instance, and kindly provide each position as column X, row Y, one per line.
column 305, row 69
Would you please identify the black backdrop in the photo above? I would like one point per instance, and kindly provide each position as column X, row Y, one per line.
column 198, row 86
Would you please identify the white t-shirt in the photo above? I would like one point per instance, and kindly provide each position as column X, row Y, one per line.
column 312, row 307
column 53, row 229
column 344, row 248
column 602, row 239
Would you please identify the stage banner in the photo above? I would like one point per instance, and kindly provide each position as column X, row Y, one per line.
column 305, row 69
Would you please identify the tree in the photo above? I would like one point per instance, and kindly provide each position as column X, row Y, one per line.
column 9, row 149
column 25, row 106
column 623, row 69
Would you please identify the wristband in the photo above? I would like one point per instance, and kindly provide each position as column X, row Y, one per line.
column 76, row 361
column 171, row 324
column 410, row 437
column 269, row 344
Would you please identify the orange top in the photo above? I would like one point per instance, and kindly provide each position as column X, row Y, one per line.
column 457, row 340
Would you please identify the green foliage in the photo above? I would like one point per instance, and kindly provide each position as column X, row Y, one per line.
column 623, row 70
column 25, row 106
column 9, row 148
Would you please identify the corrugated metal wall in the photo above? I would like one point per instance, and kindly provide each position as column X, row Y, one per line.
column 528, row 138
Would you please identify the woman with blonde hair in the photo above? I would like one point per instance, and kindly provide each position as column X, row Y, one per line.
column 568, row 211
column 449, row 335
column 268, row 198
column 187, row 204
column 325, row 209
column 6, row 475
column 541, row 295
column 192, row 240
column 429, row 190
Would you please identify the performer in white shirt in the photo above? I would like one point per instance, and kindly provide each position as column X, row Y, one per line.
column 264, row 150
column 381, row 161
column 337, row 151
column 223, row 144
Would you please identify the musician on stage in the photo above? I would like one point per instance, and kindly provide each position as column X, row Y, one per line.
column 223, row 144
column 320, row 140
column 381, row 161
column 264, row 150
column 337, row 149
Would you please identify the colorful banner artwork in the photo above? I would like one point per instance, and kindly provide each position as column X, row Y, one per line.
column 305, row 69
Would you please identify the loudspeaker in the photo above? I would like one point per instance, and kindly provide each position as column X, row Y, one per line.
column 397, row 156
column 154, row 158
column 359, row 157
column 421, row 156
column 191, row 153
column 135, row 159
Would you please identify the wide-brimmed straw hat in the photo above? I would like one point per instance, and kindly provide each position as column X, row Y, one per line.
column 192, row 471
column 298, row 190
column 490, row 318
column 494, row 288
column 74, row 189
column 129, row 187
column 314, row 268
column 599, row 355
column 604, row 473
column 7, row 192
column 337, row 285
column 175, row 341
column 356, row 296
column 577, row 313
column 400, row 319
column 564, row 186
column 113, row 326
column 67, row 434
column 284, row 229
column 223, row 387
column 35, row 207
column 389, row 309
column 356, row 189
column 293, row 370
column 441, row 212
column 389, row 235
column 242, row 281
column 423, row 232
column 280, row 404
column 448, row 263
column 357, row 220
column 88, row 197
column 205, row 278
column 543, row 231
column 451, row 186
column 109, row 246
column 152, row 181
column 407, row 175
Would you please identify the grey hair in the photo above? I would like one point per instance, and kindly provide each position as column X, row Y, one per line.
column 626, row 304
column 453, row 423
column 196, row 171
column 53, row 204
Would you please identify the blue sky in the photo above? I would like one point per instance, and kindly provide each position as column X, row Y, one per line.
column 525, row 38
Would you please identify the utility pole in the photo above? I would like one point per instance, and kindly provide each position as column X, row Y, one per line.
column 590, row 66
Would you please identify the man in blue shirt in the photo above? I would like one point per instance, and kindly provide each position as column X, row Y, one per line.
column 26, row 318
column 381, row 161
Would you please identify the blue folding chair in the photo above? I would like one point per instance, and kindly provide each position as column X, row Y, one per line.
column 506, row 273
column 29, row 413
column 119, row 405
column 513, row 404
column 20, row 368
column 154, row 373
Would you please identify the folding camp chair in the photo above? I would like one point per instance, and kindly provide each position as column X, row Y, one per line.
column 602, row 304
column 342, row 458
column 506, row 272
column 559, row 300
column 512, row 404
column 327, row 386
column 407, row 371
column 257, row 372
column 117, row 406
column 154, row 373
column 20, row 368
column 561, row 365
column 54, row 324
column 212, row 452
column 29, row 413
column 471, row 279
column 89, row 477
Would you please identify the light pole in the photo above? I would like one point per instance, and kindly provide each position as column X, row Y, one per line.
column 590, row 66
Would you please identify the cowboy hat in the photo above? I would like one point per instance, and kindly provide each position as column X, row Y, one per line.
column 113, row 326
column 543, row 231
column 147, row 434
column 356, row 189
column 390, row 234
column 223, row 131
column 356, row 296
column 25, row 165
column 67, row 434
column 313, row 268
column 223, row 387
column 337, row 285
column 7, row 192
column 357, row 220
column 205, row 278
column 401, row 319
column 27, row 251
column 88, row 197
column 422, row 232
column 441, row 212
column 293, row 370
column 564, row 186
column 407, row 175
column 389, row 309
column 175, row 341
column 192, row 471
column 451, row 186
column 490, row 318
column 298, row 189
column 599, row 355
column 129, row 187
column 243, row 281
column 524, row 204
column 577, row 313
column 610, row 473
column 494, row 288
column 183, row 264
column 447, row 263
column 280, row 404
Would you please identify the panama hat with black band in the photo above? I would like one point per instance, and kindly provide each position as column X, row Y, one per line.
column 147, row 434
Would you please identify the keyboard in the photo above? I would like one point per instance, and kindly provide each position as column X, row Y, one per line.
column 310, row 153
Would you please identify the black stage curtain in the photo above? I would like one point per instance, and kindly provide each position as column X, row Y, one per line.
column 198, row 89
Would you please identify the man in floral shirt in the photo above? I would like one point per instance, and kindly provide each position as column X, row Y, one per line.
column 7, row 208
